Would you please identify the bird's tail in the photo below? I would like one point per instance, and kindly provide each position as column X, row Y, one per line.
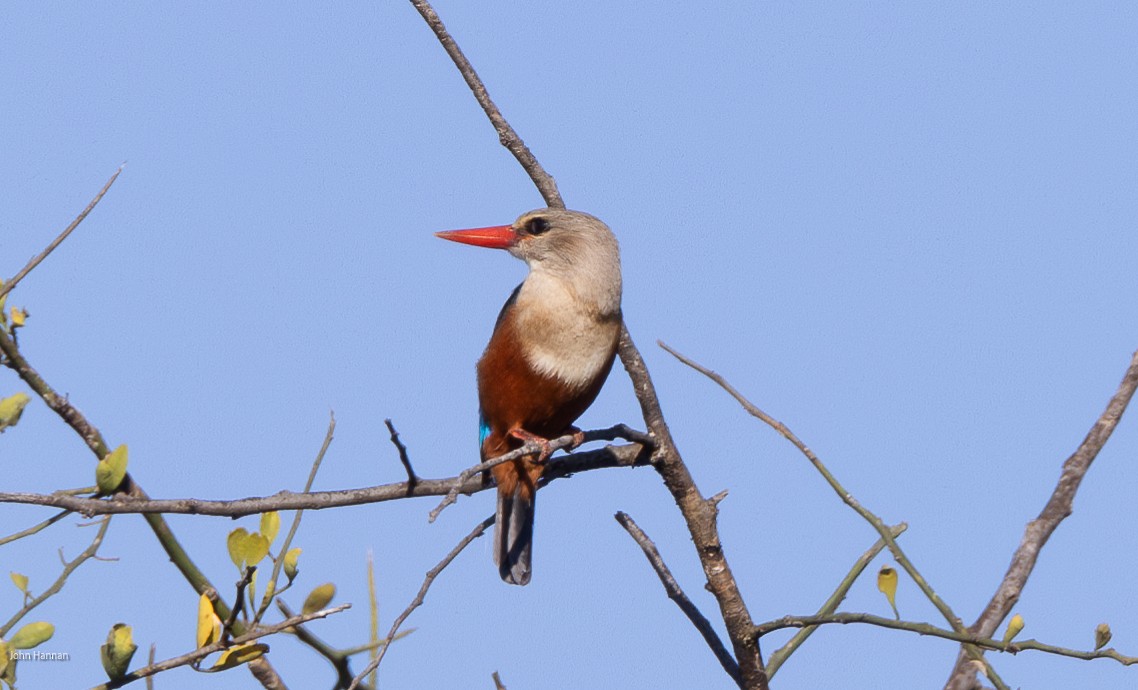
column 513, row 535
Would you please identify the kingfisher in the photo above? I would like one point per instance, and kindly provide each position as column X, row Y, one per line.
column 548, row 357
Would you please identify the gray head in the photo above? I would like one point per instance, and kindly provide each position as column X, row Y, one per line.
column 574, row 248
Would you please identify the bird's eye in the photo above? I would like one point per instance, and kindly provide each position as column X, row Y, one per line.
column 537, row 226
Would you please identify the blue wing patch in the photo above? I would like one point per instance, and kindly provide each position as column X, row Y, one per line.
column 483, row 430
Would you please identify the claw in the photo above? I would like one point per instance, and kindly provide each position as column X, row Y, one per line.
column 527, row 437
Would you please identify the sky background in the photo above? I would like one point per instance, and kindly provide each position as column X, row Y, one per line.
column 908, row 232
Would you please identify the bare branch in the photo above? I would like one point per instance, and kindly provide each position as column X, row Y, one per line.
column 630, row 455
column 1039, row 530
column 934, row 631
column 433, row 573
column 506, row 134
column 36, row 260
column 676, row 594
column 701, row 517
column 402, row 449
column 68, row 568
column 848, row 498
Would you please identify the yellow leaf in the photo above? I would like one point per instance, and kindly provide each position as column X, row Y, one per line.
column 19, row 316
column 110, row 471
column 1014, row 626
column 236, row 545
column 270, row 525
column 255, row 549
column 887, row 585
column 318, row 598
column 290, row 559
column 20, row 580
column 242, row 653
column 117, row 652
column 11, row 408
column 4, row 651
column 32, row 635
column 1102, row 635
column 209, row 625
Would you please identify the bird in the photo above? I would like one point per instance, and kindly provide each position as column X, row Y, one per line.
column 550, row 353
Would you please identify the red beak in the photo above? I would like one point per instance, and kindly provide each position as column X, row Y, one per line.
column 496, row 237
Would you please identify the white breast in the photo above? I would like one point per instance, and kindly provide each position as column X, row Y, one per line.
column 562, row 336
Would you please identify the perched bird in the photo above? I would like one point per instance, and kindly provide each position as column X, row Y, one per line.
column 551, row 350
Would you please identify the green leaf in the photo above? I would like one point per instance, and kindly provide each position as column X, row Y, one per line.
column 111, row 470
column 270, row 525
column 117, row 652
column 242, row 653
column 290, row 559
column 32, row 635
column 319, row 598
column 11, row 408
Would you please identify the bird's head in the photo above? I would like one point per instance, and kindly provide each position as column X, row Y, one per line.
column 552, row 240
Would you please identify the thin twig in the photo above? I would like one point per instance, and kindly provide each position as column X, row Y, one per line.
column 68, row 568
column 403, row 457
column 36, row 260
column 238, row 602
column 676, row 594
column 498, row 685
column 433, row 573
column 203, row 652
column 779, row 657
column 506, row 134
column 35, row 528
column 934, row 631
column 283, row 551
column 1038, row 531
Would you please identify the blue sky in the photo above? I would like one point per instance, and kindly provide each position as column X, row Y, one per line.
column 907, row 232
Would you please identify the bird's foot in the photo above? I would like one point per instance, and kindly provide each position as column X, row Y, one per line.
column 527, row 437
column 578, row 438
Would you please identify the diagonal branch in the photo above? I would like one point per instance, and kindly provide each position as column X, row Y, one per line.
column 5, row 288
column 701, row 516
column 433, row 573
column 676, row 594
column 506, row 134
column 779, row 657
column 1039, row 530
